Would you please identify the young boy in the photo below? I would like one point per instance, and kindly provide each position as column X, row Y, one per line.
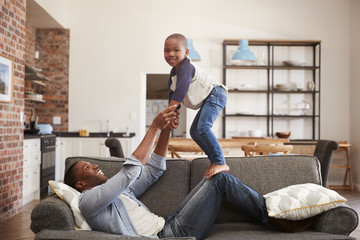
column 189, row 85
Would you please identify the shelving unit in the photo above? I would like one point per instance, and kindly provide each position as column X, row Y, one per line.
column 35, row 76
column 254, row 100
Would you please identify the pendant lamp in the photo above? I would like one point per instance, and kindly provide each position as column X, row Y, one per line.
column 243, row 52
column 193, row 54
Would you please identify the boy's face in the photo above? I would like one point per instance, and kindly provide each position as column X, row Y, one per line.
column 174, row 52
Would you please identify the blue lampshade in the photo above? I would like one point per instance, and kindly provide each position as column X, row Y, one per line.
column 193, row 54
column 243, row 52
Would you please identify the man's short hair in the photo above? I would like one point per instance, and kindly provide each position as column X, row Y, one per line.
column 180, row 37
column 70, row 177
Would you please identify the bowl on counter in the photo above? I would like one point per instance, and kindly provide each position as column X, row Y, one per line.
column 283, row 134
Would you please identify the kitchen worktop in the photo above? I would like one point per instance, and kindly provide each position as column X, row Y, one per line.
column 76, row 134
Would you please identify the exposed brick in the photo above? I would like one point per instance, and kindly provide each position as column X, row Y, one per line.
column 12, row 45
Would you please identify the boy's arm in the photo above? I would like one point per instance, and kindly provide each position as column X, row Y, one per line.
column 184, row 76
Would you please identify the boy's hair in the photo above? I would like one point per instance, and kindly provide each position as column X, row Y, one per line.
column 180, row 37
column 70, row 177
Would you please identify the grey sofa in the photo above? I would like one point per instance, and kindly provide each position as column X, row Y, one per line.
column 52, row 218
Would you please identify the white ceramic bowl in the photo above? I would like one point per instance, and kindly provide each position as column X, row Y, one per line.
column 254, row 133
column 283, row 87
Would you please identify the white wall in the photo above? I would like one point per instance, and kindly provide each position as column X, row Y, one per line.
column 114, row 43
column 354, row 92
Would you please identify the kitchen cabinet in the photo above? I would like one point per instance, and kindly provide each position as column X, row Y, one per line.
column 86, row 146
column 31, row 170
column 277, row 93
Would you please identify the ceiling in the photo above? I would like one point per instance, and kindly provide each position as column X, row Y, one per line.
column 37, row 17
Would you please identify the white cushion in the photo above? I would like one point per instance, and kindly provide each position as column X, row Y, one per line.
column 298, row 202
column 71, row 197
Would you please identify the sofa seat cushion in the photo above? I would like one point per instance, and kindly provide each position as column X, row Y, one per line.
column 251, row 231
column 91, row 235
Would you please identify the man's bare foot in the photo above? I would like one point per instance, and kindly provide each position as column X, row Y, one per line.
column 215, row 169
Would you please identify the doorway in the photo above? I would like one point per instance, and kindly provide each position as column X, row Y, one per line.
column 157, row 95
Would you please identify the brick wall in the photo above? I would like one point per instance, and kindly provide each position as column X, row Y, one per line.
column 29, row 60
column 12, row 44
column 53, row 45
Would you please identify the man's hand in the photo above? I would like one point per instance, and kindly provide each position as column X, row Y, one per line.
column 164, row 118
column 175, row 122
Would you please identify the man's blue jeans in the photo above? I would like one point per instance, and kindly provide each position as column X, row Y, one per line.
column 196, row 214
column 200, row 129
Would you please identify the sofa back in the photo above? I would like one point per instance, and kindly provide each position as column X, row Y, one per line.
column 263, row 173
column 163, row 197
column 266, row 173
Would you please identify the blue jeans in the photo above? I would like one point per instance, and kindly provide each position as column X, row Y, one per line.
column 200, row 129
column 196, row 214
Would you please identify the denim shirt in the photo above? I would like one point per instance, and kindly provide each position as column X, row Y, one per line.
column 101, row 205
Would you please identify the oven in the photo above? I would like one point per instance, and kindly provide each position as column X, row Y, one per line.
column 47, row 172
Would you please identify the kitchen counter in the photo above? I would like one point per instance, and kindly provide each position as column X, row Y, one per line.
column 76, row 134
column 33, row 136
column 94, row 134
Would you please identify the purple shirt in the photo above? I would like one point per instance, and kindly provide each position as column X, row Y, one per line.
column 184, row 75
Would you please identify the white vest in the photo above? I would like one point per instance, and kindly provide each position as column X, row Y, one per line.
column 200, row 87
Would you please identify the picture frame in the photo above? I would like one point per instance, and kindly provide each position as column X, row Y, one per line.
column 6, row 79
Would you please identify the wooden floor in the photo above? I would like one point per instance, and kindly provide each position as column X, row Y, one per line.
column 18, row 226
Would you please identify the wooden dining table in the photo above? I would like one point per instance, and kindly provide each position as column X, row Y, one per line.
column 188, row 148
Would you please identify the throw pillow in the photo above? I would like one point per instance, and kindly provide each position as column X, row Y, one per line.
column 71, row 197
column 298, row 202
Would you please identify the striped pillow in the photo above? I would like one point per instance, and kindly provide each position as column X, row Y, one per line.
column 298, row 202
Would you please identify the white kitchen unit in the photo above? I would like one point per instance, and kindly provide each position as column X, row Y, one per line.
column 31, row 170
column 86, row 146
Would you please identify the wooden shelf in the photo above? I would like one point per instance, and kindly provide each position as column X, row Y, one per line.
column 34, row 74
column 34, row 100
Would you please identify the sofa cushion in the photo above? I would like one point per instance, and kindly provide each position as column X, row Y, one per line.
column 71, row 197
column 163, row 197
column 110, row 166
column 301, row 201
column 276, row 172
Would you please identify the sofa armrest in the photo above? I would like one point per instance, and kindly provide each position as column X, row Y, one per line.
column 90, row 235
column 51, row 213
column 341, row 220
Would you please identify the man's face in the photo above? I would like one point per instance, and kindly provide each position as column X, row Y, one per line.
column 174, row 52
column 89, row 175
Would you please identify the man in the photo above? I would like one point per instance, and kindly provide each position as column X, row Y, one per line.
column 112, row 205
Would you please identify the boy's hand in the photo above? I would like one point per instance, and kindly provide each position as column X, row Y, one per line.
column 164, row 118
column 175, row 122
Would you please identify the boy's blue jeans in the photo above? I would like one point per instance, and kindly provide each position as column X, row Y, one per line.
column 200, row 129
column 196, row 214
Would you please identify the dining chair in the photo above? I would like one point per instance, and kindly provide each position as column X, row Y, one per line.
column 252, row 150
column 324, row 152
